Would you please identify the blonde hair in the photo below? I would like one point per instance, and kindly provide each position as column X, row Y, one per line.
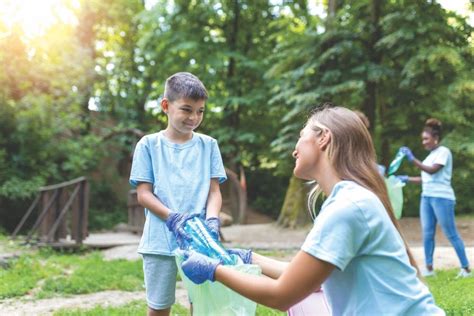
column 352, row 155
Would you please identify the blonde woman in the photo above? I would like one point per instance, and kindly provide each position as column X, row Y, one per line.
column 354, row 250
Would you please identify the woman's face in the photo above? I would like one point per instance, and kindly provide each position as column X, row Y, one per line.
column 428, row 141
column 306, row 154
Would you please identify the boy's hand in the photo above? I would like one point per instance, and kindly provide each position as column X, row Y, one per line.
column 175, row 224
column 407, row 151
column 244, row 254
column 199, row 268
column 213, row 223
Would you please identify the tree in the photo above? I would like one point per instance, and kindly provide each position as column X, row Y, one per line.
column 398, row 62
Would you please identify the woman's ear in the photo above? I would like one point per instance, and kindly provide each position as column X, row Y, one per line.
column 324, row 139
column 164, row 105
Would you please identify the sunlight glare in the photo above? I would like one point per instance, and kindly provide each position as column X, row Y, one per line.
column 34, row 17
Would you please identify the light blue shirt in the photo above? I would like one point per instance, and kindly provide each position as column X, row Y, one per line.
column 181, row 177
column 373, row 275
column 438, row 184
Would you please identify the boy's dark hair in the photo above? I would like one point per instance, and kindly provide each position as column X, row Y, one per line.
column 184, row 85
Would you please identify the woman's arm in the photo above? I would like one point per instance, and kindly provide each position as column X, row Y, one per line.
column 303, row 275
column 429, row 169
column 214, row 200
column 416, row 180
column 270, row 267
column 147, row 199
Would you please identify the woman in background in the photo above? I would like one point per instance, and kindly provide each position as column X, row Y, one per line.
column 437, row 196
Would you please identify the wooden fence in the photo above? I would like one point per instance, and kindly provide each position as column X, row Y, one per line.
column 62, row 211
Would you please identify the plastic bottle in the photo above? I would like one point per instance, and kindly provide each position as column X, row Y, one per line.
column 203, row 242
column 395, row 164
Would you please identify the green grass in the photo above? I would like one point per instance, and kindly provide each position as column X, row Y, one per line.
column 21, row 277
column 139, row 308
column 455, row 296
column 66, row 274
column 130, row 309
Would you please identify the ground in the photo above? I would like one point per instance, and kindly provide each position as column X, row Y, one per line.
column 264, row 235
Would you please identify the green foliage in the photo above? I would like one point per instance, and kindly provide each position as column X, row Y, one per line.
column 42, row 123
column 265, row 65
column 107, row 210
column 264, row 197
column 413, row 62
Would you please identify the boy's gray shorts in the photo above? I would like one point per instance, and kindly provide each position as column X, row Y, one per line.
column 160, row 280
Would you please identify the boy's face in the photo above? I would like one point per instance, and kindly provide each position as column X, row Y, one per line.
column 184, row 115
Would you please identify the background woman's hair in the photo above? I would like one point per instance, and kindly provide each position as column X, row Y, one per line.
column 434, row 127
column 352, row 154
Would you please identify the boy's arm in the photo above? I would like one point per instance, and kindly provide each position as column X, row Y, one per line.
column 214, row 200
column 147, row 199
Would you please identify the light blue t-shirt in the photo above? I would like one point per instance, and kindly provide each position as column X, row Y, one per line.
column 438, row 184
column 181, row 177
column 373, row 275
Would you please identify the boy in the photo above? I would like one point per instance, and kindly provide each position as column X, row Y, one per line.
column 177, row 174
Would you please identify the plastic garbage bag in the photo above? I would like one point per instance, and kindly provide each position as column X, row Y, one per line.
column 396, row 162
column 214, row 298
column 395, row 194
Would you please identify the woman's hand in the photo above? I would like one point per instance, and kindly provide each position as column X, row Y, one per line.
column 408, row 153
column 199, row 268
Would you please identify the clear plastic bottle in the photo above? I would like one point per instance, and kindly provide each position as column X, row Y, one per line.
column 203, row 242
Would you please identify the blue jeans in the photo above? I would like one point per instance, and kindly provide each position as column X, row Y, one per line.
column 432, row 210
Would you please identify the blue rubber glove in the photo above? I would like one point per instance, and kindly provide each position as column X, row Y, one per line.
column 244, row 254
column 199, row 268
column 175, row 224
column 403, row 178
column 408, row 153
column 213, row 223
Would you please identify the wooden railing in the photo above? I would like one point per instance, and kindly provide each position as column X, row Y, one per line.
column 62, row 211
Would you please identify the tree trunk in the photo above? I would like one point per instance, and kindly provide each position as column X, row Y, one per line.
column 370, row 104
column 294, row 211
